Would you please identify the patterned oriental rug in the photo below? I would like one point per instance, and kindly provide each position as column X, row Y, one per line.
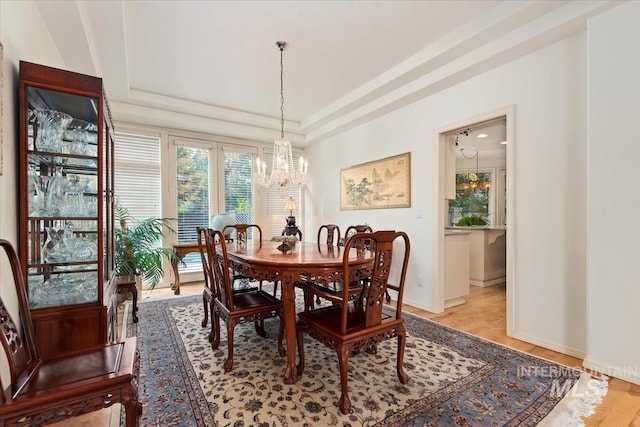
column 455, row 379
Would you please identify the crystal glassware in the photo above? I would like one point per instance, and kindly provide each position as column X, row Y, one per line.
column 51, row 127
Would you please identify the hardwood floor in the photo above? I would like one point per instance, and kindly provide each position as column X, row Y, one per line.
column 483, row 315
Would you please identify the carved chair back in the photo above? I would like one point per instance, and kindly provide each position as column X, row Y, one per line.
column 381, row 243
column 206, row 261
column 332, row 232
column 353, row 229
column 220, row 273
column 245, row 231
column 22, row 354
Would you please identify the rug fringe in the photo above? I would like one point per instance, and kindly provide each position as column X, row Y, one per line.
column 579, row 403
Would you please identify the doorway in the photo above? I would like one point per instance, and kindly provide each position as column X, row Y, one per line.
column 490, row 190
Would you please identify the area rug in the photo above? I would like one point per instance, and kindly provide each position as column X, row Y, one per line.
column 455, row 379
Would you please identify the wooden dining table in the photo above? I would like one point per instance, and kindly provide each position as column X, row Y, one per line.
column 304, row 262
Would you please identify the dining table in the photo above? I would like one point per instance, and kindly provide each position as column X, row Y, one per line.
column 303, row 262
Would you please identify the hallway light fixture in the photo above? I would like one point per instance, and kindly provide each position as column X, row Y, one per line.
column 283, row 173
column 476, row 182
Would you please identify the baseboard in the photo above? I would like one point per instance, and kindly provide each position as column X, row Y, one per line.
column 417, row 304
column 454, row 301
column 580, row 354
column 627, row 373
column 487, row 283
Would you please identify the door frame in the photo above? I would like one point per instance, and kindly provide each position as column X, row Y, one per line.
column 438, row 258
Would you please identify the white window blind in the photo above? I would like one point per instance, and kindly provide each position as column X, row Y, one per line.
column 238, row 188
column 137, row 173
column 274, row 212
column 193, row 190
column 137, row 183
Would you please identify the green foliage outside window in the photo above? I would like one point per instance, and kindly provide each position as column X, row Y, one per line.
column 237, row 176
column 473, row 199
column 193, row 178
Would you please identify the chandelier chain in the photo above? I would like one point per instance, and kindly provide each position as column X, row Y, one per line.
column 281, row 46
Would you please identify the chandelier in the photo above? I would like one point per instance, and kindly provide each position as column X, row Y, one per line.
column 283, row 172
column 471, row 181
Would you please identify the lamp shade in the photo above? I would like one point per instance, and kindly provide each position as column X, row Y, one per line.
column 291, row 205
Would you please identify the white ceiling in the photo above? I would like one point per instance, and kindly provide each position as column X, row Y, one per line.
column 212, row 66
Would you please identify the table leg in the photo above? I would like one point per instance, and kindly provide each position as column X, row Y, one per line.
column 176, row 285
column 289, row 302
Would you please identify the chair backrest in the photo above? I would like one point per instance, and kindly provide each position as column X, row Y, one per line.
column 220, row 275
column 381, row 245
column 21, row 351
column 206, row 264
column 353, row 229
column 333, row 234
column 243, row 231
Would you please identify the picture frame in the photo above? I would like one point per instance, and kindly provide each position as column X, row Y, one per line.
column 379, row 184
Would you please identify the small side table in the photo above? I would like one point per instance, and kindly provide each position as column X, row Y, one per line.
column 127, row 284
column 181, row 249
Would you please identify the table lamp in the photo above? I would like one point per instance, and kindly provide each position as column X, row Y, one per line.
column 291, row 206
column 291, row 229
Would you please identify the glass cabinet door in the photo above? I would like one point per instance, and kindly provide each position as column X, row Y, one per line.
column 64, row 198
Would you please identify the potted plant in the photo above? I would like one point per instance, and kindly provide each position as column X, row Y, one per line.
column 137, row 247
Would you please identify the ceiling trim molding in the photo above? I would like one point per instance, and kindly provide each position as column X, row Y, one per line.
column 150, row 116
column 506, row 32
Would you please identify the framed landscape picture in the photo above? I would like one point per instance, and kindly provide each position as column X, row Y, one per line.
column 380, row 184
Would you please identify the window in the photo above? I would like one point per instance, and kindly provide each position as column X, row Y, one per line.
column 192, row 196
column 137, row 173
column 473, row 198
column 238, row 187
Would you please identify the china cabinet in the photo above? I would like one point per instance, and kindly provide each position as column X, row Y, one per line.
column 66, row 207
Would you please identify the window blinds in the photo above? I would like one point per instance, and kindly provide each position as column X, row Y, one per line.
column 274, row 213
column 137, row 173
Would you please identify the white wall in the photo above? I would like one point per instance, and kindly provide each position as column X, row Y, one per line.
column 24, row 36
column 614, row 150
column 548, row 91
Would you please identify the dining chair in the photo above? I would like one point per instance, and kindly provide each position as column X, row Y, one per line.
column 208, row 290
column 235, row 308
column 347, row 328
column 44, row 391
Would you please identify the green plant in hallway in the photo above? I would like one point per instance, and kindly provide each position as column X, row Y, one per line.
column 138, row 249
column 471, row 220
